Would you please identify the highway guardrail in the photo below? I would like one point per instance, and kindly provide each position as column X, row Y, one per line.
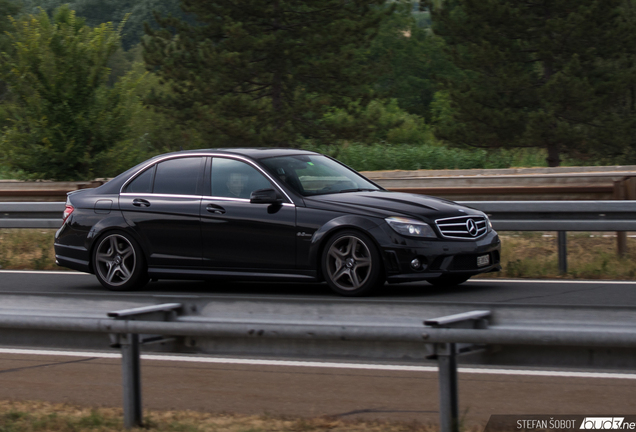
column 532, row 184
column 446, row 337
column 505, row 215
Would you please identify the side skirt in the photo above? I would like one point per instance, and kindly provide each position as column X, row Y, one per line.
column 196, row 274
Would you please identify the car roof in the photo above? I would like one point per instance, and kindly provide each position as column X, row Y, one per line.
column 254, row 153
column 115, row 184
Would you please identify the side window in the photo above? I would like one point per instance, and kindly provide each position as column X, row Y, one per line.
column 143, row 182
column 179, row 176
column 236, row 179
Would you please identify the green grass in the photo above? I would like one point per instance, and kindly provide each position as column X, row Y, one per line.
column 27, row 416
column 380, row 157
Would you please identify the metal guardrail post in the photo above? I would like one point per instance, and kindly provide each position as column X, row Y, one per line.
column 130, row 360
column 131, row 380
column 562, row 240
column 446, row 356
column 448, row 401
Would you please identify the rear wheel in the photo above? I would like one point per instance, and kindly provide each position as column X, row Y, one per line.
column 119, row 263
column 351, row 264
column 448, row 280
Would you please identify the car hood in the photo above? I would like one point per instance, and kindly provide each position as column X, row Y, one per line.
column 384, row 204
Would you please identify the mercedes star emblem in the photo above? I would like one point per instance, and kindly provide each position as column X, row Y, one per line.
column 471, row 227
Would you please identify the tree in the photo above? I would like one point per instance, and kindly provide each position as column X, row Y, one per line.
column 134, row 12
column 63, row 117
column 263, row 72
column 7, row 8
column 544, row 73
column 411, row 56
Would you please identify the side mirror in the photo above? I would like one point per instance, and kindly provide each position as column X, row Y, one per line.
column 265, row 196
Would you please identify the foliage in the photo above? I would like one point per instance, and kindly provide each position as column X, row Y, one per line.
column 379, row 121
column 64, row 119
column 410, row 55
column 153, row 131
column 133, row 12
column 537, row 74
column 7, row 8
column 263, row 73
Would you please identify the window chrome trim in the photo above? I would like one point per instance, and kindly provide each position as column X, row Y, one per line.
column 147, row 194
column 197, row 197
column 243, row 200
column 220, row 198
column 213, row 155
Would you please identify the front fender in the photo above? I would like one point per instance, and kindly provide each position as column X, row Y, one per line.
column 367, row 225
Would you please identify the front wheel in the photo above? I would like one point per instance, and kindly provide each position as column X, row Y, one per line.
column 444, row 281
column 119, row 263
column 351, row 264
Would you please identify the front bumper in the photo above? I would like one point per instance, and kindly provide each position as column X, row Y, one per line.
column 441, row 257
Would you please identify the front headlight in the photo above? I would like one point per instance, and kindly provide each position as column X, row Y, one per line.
column 488, row 223
column 410, row 227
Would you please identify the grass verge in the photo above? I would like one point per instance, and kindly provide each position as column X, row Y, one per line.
column 524, row 254
column 590, row 256
column 41, row 416
column 30, row 249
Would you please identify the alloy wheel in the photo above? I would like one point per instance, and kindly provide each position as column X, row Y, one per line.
column 349, row 263
column 115, row 260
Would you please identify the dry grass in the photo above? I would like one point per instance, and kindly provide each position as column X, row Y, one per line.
column 27, row 249
column 590, row 256
column 41, row 416
column 524, row 254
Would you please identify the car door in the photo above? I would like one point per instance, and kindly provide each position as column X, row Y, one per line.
column 162, row 205
column 238, row 234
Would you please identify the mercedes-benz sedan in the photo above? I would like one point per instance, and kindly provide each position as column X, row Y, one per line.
column 268, row 214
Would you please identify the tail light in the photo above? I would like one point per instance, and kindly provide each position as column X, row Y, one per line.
column 67, row 212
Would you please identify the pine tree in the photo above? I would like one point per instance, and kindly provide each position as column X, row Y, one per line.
column 259, row 72
column 543, row 73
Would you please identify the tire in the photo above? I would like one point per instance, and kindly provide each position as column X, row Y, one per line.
column 448, row 281
column 351, row 264
column 119, row 263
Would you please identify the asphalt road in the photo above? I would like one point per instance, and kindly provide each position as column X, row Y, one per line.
column 313, row 391
column 309, row 391
column 539, row 292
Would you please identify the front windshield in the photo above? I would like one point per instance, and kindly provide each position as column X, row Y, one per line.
column 316, row 175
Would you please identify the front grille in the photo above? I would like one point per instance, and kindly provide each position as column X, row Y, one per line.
column 463, row 227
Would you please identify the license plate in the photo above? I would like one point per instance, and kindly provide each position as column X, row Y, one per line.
column 483, row 260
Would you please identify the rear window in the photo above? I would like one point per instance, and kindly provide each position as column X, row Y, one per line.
column 179, row 176
column 182, row 176
column 143, row 182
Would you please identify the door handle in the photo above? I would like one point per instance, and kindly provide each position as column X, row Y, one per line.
column 138, row 202
column 215, row 209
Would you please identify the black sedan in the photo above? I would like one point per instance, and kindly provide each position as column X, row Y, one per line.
column 268, row 214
